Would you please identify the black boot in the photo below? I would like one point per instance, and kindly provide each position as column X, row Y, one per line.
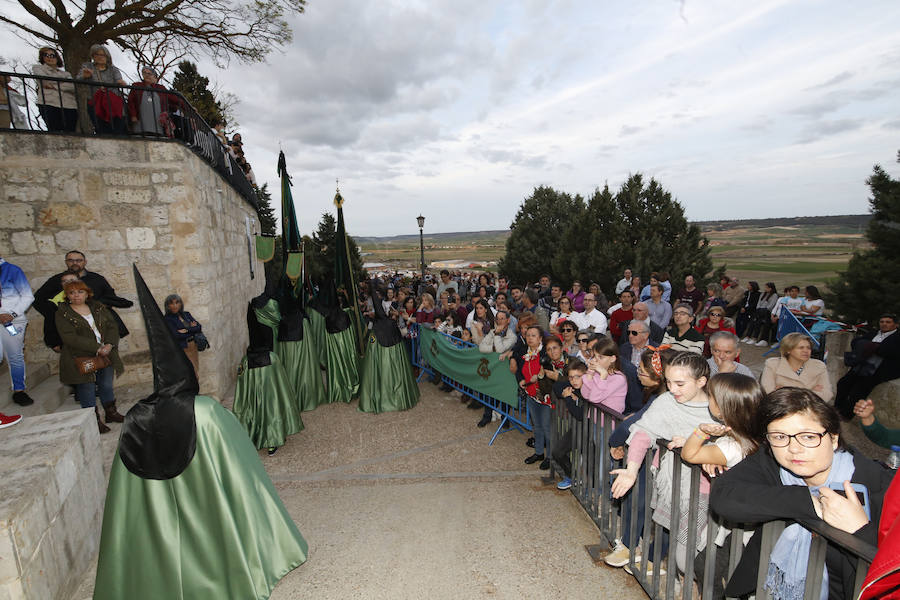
column 112, row 415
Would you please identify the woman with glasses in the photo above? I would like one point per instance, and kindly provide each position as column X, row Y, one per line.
column 714, row 321
column 56, row 101
column 803, row 474
column 565, row 313
column 796, row 368
column 568, row 329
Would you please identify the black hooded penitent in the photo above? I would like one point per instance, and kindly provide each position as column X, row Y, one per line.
column 159, row 435
column 384, row 327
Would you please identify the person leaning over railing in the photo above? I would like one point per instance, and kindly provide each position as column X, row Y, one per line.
column 675, row 413
column 106, row 104
column 569, row 390
column 651, row 373
column 734, row 401
column 56, row 101
column 793, row 476
column 150, row 106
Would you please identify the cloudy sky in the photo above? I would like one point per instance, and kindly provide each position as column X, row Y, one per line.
column 458, row 109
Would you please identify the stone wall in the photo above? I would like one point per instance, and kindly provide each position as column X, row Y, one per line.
column 124, row 201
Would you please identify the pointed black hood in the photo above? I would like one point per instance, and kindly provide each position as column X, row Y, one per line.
column 385, row 328
column 159, row 435
column 261, row 342
column 336, row 320
column 290, row 328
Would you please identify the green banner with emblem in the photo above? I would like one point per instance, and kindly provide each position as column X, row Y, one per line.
column 485, row 373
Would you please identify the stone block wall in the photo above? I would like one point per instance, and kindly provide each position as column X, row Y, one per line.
column 52, row 505
column 124, row 201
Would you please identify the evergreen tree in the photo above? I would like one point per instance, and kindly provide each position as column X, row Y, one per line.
column 195, row 88
column 641, row 227
column 265, row 211
column 870, row 287
column 656, row 236
column 321, row 248
column 538, row 233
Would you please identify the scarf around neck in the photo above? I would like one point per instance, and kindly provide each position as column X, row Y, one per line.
column 786, row 577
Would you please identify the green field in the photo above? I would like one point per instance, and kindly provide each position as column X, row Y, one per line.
column 807, row 253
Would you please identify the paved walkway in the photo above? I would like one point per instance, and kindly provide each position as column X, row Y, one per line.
column 417, row 505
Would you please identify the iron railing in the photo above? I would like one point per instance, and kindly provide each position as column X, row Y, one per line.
column 591, row 486
column 169, row 117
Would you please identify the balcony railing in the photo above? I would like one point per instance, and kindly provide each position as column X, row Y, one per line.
column 54, row 106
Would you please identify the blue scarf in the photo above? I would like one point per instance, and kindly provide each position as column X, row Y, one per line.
column 787, row 565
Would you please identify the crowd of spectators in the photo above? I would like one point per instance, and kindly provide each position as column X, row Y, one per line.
column 147, row 108
column 668, row 357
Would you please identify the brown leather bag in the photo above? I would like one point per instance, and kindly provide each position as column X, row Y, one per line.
column 91, row 364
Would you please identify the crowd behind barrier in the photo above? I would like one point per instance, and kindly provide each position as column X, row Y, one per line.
column 173, row 118
column 707, row 558
column 512, row 417
column 591, row 467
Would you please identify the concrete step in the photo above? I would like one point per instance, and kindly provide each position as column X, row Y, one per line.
column 49, row 395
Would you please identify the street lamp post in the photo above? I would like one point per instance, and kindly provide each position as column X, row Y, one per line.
column 421, row 221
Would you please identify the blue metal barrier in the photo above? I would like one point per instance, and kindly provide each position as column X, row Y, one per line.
column 511, row 417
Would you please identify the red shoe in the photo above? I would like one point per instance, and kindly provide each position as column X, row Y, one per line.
column 7, row 420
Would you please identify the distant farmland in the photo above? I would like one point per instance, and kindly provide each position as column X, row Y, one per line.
column 803, row 250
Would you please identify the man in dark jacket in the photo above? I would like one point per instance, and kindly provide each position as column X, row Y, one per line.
column 76, row 263
column 874, row 358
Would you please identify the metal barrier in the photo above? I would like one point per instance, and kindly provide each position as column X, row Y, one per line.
column 591, row 466
column 511, row 417
column 31, row 98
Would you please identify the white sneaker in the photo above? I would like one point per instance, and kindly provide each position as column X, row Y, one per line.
column 762, row 343
column 744, row 340
column 619, row 556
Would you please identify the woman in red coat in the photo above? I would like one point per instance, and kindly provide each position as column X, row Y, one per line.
column 149, row 110
column 714, row 321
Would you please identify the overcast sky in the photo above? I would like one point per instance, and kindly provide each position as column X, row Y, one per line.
column 458, row 109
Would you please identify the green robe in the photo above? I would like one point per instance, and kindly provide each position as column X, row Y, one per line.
column 270, row 315
column 342, row 365
column 264, row 404
column 317, row 332
column 217, row 530
column 301, row 363
column 386, row 382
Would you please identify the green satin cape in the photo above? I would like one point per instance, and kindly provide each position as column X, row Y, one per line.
column 264, row 403
column 317, row 332
column 301, row 363
column 386, row 380
column 216, row 531
column 270, row 315
column 342, row 366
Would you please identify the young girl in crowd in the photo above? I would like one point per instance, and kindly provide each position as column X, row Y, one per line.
column 651, row 373
column 677, row 412
column 605, row 384
column 734, row 402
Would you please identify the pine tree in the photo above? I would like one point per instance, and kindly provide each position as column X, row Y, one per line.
column 264, row 210
column 870, row 286
column 195, row 88
column 538, row 233
column 320, row 251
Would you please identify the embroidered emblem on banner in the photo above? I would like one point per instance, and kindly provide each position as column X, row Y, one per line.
column 483, row 370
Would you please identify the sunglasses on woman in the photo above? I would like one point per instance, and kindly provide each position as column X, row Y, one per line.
column 569, row 329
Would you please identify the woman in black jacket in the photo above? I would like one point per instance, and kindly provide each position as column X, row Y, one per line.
column 793, row 477
column 184, row 327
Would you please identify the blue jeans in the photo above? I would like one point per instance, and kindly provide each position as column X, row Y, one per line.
column 86, row 392
column 11, row 348
column 540, row 420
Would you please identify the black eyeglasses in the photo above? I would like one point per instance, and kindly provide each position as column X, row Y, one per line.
column 583, row 341
column 633, row 332
column 569, row 329
column 807, row 439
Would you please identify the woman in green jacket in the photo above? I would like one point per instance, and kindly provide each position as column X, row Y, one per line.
column 88, row 329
